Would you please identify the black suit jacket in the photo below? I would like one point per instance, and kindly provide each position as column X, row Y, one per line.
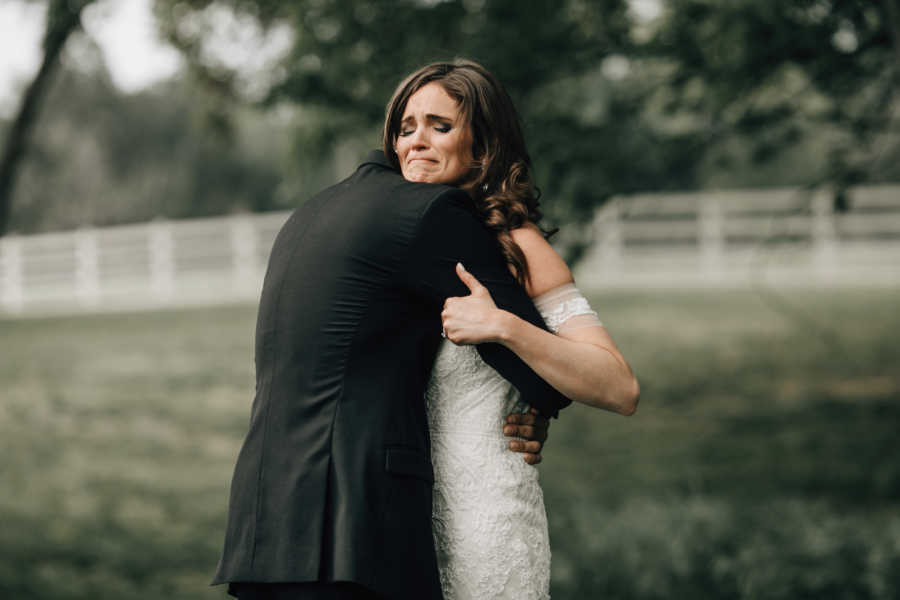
column 333, row 482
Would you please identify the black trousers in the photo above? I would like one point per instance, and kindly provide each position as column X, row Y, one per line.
column 301, row 591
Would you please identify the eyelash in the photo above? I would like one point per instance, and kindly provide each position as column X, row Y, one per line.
column 438, row 128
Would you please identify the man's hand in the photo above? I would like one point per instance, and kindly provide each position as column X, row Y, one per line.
column 533, row 428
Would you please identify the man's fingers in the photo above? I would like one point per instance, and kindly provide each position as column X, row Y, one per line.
column 528, row 447
column 520, row 419
column 539, row 419
column 522, row 431
column 528, row 419
column 526, row 431
column 533, row 419
column 530, row 425
column 531, row 451
column 467, row 278
column 532, row 459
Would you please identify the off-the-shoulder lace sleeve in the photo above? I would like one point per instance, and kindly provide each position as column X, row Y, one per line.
column 565, row 309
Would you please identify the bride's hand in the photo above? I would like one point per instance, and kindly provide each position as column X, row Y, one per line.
column 472, row 319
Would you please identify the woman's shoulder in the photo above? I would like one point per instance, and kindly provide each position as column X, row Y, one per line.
column 546, row 267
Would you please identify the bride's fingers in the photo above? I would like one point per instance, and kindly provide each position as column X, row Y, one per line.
column 469, row 280
column 453, row 333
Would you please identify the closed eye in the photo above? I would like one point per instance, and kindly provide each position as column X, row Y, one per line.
column 441, row 128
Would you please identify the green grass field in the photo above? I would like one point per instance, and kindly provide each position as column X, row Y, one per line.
column 763, row 462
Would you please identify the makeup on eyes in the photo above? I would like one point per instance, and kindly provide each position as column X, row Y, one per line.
column 432, row 144
column 442, row 124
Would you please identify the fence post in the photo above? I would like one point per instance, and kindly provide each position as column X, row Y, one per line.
column 162, row 260
column 12, row 293
column 243, row 250
column 87, row 268
column 712, row 241
column 824, row 235
column 609, row 224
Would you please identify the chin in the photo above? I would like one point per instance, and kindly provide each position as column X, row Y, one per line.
column 420, row 177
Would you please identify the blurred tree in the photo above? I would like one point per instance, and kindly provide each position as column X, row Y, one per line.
column 746, row 92
column 753, row 79
column 99, row 157
column 563, row 62
column 63, row 18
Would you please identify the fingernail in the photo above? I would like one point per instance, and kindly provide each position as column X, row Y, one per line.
column 460, row 265
column 509, row 430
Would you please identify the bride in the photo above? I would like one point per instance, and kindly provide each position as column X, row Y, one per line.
column 452, row 123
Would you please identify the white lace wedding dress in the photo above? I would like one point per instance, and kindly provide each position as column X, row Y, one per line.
column 488, row 520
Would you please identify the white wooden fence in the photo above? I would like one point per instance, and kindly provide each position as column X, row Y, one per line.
column 150, row 265
column 783, row 237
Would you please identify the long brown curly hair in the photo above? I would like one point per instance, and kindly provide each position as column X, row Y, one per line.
column 499, row 181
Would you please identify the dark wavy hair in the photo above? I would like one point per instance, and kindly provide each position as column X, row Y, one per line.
column 500, row 179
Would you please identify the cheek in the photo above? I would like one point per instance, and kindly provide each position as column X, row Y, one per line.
column 402, row 152
column 400, row 148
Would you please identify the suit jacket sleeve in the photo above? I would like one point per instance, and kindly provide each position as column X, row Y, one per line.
column 451, row 232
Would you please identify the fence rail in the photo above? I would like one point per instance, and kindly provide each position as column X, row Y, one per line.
column 786, row 237
column 783, row 237
column 156, row 264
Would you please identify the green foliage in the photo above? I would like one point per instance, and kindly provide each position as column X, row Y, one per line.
column 708, row 93
column 763, row 461
column 586, row 132
column 755, row 78
column 100, row 157
column 705, row 94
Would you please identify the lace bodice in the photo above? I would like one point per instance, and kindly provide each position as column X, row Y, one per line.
column 489, row 522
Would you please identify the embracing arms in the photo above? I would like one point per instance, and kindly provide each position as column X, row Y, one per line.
column 449, row 233
column 582, row 362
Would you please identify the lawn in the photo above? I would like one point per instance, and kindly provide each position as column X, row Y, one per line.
column 763, row 461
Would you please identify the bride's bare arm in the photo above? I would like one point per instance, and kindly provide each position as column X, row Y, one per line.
column 583, row 364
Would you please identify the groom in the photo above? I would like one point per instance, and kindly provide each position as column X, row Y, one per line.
column 331, row 495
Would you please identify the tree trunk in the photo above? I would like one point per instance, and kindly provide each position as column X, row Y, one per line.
column 63, row 17
column 892, row 8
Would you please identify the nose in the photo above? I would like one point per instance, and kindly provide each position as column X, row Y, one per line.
column 419, row 139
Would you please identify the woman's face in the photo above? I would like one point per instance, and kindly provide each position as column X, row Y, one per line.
column 434, row 144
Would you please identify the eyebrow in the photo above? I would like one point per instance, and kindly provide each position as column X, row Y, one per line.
column 430, row 117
